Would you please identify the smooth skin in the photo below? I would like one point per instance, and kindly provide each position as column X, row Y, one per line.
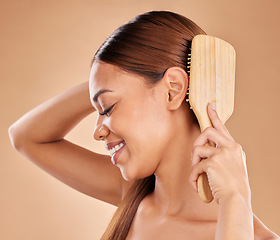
column 161, row 138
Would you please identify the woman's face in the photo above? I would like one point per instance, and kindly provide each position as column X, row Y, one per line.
column 139, row 117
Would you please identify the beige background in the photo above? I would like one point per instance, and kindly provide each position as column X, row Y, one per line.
column 46, row 47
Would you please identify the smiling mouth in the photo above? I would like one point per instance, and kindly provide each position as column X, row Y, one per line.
column 116, row 152
column 113, row 150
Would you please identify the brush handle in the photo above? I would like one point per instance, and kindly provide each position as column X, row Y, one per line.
column 204, row 190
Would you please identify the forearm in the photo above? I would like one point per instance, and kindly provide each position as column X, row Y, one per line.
column 235, row 220
column 53, row 119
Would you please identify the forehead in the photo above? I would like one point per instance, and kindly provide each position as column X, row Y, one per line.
column 101, row 73
column 108, row 76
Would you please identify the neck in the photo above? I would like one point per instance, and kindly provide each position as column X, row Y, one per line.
column 173, row 194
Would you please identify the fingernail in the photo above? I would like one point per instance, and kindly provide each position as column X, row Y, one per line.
column 212, row 106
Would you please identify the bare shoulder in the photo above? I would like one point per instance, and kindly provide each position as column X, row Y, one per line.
column 262, row 232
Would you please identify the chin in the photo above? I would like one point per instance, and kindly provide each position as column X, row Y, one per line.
column 132, row 174
column 128, row 176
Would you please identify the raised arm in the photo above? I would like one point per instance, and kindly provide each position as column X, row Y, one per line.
column 39, row 135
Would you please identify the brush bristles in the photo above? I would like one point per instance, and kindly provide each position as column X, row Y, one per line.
column 188, row 72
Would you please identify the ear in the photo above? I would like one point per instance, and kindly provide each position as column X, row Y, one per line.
column 176, row 81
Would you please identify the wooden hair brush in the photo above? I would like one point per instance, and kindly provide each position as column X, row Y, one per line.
column 212, row 79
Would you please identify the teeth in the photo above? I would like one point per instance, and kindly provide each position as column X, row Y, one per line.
column 114, row 149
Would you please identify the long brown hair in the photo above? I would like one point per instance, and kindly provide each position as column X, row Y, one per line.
column 147, row 45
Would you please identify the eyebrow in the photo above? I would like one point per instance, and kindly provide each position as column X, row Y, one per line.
column 99, row 93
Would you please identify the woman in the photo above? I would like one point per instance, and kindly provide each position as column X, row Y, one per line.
column 138, row 84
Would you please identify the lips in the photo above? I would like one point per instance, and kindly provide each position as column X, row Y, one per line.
column 110, row 145
column 115, row 156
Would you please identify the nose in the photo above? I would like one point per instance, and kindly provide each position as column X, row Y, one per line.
column 101, row 131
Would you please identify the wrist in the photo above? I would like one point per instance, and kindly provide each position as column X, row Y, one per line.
column 235, row 220
column 236, row 199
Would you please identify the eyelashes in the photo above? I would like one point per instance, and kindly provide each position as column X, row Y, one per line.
column 107, row 110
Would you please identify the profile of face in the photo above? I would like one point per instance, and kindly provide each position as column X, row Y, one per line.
column 138, row 116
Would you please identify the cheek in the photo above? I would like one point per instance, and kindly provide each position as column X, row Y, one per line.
column 149, row 126
column 151, row 141
column 145, row 130
column 155, row 125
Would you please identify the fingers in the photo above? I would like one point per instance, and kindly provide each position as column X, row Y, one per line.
column 216, row 122
column 211, row 134
column 198, row 169
column 202, row 152
column 219, row 141
column 198, row 165
column 216, row 135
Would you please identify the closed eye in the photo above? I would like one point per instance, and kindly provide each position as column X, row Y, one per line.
column 107, row 110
